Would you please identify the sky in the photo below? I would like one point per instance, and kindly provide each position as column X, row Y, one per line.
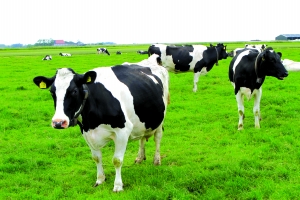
column 139, row 21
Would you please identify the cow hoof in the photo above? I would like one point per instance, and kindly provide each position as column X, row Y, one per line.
column 139, row 160
column 157, row 162
column 240, row 127
column 98, row 183
column 118, row 188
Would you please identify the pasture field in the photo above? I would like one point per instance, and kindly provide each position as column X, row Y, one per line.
column 204, row 156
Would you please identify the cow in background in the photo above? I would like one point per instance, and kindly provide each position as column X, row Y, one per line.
column 47, row 57
column 257, row 47
column 142, row 52
column 247, row 72
column 64, row 54
column 197, row 58
column 103, row 51
column 116, row 103
column 118, row 53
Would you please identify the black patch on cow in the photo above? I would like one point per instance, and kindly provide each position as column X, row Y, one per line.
column 147, row 95
column 181, row 56
column 102, row 108
column 154, row 50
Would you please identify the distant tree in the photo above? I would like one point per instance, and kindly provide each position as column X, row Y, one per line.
column 44, row 42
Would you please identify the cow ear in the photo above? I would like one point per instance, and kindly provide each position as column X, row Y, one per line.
column 43, row 82
column 89, row 77
column 280, row 54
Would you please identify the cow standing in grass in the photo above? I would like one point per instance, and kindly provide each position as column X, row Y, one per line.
column 197, row 58
column 112, row 103
column 247, row 72
column 103, row 51
column 47, row 57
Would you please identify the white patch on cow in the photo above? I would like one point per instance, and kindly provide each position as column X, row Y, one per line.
column 239, row 58
column 62, row 82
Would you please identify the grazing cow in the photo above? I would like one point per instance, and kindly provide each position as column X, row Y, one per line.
column 247, row 72
column 64, row 54
column 142, row 52
column 197, row 58
column 118, row 53
column 47, row 57
column 103, row 51
column 291, row 65
column 111, row 103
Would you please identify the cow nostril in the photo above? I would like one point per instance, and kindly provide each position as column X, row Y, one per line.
column 59, row 124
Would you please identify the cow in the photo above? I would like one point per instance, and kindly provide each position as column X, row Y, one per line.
column 118, row 52
column 247, row 72
column 103, row 51
column 197, row 58
column 116, row 103
column 257, row 47
column 65, row 54
column 47, row 57
column 260, row 47
column 142, row 52
column 291, row 65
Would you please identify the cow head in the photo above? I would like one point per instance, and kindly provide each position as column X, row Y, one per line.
column 269, row 64
column 69, row 93
column 221, row 51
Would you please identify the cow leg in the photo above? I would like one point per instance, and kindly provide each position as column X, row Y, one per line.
column 120, row 148
column 141, row 154
column 157, row 139
column 241, row 110
column 196, row 79
column 97, row 157
column 256, row 108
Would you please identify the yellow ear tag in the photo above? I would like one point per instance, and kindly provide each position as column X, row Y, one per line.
column 88, row 79
column 262, row 58
column 43, row 85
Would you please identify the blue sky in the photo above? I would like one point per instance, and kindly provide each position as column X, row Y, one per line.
column 155, row 21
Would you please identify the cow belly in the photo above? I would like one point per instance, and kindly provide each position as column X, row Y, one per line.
column 99, row 137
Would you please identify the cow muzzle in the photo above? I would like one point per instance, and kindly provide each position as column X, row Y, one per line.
column 59, row 124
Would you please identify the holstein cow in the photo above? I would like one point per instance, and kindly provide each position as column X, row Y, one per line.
column 47, row 57
column 64, row 54
column 197, row 58
column 111, row 103
column 103, row 50
column 257, row 47
column 118, row 53
column 247, row 72
column 142, row 52
column 291, row 65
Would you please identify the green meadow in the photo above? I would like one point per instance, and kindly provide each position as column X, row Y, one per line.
column 204, row 156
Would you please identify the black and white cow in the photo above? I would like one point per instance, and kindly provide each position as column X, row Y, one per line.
column 258, row 47
column 111, row 103
column 65, row 54
column 103, row 51
column 118, row 52
column 142, row 52
column 47, row 57
column 197, row 58
column 247, row 72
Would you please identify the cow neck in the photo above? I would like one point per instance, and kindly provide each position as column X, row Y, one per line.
column 86, row 94
column 258, row 79
column 217, row 64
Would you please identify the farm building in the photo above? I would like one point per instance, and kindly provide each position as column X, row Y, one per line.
column 288, row 37
column 59, row 43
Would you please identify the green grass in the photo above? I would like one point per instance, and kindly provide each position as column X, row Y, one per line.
column 204, row 156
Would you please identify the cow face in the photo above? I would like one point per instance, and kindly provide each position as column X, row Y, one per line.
column 66, row 88
column 271, row 64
